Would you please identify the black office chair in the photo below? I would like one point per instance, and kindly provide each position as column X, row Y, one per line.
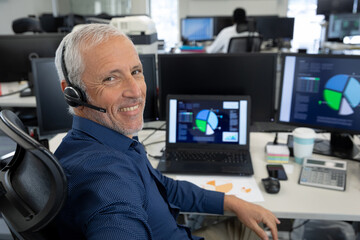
column 245, row 44
column 33, row 185
column 28, row 24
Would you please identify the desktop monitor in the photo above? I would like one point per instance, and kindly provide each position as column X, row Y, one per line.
column 265, row 25
column 151, row 112
column 197, row 29
column 342, row 25
column 221, row 74
column 285, row 28
column 221, row 22
column 18, row 50
column 52, row 110
column 273, row 27
column 322, row 92
column 327, row 7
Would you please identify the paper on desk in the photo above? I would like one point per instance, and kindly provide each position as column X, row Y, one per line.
column 242, row 187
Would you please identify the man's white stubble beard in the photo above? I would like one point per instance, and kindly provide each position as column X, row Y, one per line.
column 117, row 126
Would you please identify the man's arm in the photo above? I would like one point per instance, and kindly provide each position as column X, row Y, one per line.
column 251, row 215
column 191, row 198
column 218, row 43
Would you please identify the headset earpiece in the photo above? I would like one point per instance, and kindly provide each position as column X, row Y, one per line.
column 74, row 96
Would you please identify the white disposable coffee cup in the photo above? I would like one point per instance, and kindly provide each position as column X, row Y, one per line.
column 303, row 143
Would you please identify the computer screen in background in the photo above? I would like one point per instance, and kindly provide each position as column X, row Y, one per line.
column 327, row 7
column 322, row 92
column 52, row 110
column 285, row 28
column 221, row 22
column 197, row 29
column 342, row 25
column 273, row 27
column 151, row 112
column 221, row 74
column 18, row 50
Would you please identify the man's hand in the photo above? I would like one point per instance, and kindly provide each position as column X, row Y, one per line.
column 251, row 215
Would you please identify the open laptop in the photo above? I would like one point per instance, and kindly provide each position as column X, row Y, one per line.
column 207, row 134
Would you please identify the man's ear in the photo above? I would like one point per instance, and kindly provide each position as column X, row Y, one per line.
column 63, row 84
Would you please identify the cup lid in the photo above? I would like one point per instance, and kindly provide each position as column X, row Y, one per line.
column 304, row 132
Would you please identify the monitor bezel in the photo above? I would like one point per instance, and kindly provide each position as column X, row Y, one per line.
column 324, row 128
column 209, row 97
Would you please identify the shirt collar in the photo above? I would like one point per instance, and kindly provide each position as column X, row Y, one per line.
column 103, row 134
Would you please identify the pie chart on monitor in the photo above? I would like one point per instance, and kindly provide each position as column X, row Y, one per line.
column 341, row 93
column 206, row 121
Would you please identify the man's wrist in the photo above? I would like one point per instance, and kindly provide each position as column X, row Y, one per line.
column 230, row 202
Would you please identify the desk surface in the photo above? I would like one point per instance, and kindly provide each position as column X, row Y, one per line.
column 17, row 101
column 293, row 200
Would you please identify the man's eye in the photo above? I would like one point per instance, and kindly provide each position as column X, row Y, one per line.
column 135, row 72
column 109, row 79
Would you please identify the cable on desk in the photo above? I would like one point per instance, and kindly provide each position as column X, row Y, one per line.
column 12, row 93
column 161, row 141
column 155, row 130
column 161, row 151
column 153, row 156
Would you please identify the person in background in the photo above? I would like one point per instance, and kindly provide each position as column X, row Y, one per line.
column 240, row 28
column 113, row 190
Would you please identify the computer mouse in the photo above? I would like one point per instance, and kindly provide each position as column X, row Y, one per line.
column 271, row 185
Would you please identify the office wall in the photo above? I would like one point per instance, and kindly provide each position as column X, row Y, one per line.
column 137, row 6
column 13, row 9
column 226, row 7
column 140, row 7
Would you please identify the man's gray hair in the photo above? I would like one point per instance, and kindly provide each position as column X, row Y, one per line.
column 81, row 39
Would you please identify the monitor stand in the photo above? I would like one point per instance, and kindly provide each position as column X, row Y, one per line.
column 340, row 145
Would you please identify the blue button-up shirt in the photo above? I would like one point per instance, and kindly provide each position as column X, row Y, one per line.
column 114, row 192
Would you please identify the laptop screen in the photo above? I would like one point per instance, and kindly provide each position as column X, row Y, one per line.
column 209, row 120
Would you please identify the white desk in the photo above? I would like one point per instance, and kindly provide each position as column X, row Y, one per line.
column 298, row 201
column 17, row 101
column 293, row 200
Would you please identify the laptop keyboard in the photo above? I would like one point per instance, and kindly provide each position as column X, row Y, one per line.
column 223, row 157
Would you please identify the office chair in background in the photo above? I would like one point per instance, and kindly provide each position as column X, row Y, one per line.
column 245, row 44
column 33, row 185
column 28, row 24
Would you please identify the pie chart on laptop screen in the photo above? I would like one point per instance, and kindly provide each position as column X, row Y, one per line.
column 206, row 121
column 341, row 93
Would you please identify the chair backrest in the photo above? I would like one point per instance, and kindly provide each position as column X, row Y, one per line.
column 245, row 44
column 33, row 185
column 29, row 24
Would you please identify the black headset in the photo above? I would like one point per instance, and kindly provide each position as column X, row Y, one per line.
column 74, row 96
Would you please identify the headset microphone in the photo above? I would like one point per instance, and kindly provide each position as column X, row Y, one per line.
column 75, row 101
column 75, row 96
